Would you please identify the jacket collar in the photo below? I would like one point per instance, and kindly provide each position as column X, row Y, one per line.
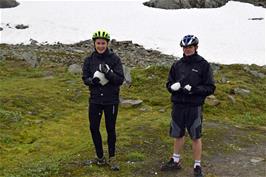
column 191, row 59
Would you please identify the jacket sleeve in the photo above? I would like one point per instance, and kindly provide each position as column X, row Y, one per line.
column 86, row 73
column 207, row 86
column 171, row 79
column 116, row 74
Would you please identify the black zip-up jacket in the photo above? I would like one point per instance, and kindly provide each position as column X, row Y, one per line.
column 195, row 71
column 109, row 93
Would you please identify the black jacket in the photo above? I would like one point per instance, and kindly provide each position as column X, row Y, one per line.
column 195, row 71
column 109, row 93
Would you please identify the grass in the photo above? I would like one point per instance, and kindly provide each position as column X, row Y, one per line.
column 44, row 125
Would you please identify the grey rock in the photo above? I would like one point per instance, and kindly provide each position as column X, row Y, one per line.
column 8, row 3
column 127, row 75
column 75, row 69
column 1, row 29
column 240, row 91
column 254, row 73
column 212, row 101
column 257, row 160
column 231, row 99
column 33, row 42
column 130, row 103
column 21, row 26
column 215, row 67
column 31, row 58
column 224, row 80
column 180, row 4
column 256, row 18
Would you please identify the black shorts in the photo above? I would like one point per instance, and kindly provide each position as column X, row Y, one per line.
column 185, row 117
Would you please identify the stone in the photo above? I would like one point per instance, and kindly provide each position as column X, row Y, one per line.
column 8, row 3
column 75, row 69
column 240, row 91
column 130, row 103
column 257, row 160
column 212, row 101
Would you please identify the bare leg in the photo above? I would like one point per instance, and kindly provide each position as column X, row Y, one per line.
column 178, row 144
column 197, row 148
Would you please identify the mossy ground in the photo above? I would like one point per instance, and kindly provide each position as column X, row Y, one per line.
column 44, row 125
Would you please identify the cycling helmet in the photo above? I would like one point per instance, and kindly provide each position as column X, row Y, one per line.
column 100, row 34
column 189, row 40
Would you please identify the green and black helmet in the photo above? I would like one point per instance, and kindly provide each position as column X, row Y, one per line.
column 100, row 34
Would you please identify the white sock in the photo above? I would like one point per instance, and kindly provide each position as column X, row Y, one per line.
column 176, row 157
column 196, row 163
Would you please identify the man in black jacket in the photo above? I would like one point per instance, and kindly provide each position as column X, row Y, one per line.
column 103, row 73
column 190, row 81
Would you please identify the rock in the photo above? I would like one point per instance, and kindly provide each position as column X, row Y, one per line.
column 33, row 42
column 257, row 160
column 127, row 75
column 75, row 69
column 1, row 29
column 212, row 100
column 224, row 80
column 30, row 58
column 254, row 73
column 162, row 110
column 231, row 98
column 180, row 4
column 260, row 18
column 215, row 67
column 21, row 26
column 240, row 91
column 130, row 103
column 8, row 3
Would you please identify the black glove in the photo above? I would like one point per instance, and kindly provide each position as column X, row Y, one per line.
column 104, row 68
column 95, row 81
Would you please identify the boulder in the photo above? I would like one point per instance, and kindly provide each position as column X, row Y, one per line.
column 8, row 3
column 75, row 69
column 180, row 4
column 130, row 103
column 21, row 26
column 212, row 101
column 240, row 91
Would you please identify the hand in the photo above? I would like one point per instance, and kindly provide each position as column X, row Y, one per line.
column 95, row 81
column 101, row 77
column 176, row 86
column 104, row 68
column 187, row 89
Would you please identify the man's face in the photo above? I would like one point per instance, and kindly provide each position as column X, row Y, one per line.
column 100, row 45
column 190, row 50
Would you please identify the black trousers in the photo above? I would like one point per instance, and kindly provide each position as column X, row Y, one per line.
column 95, row 115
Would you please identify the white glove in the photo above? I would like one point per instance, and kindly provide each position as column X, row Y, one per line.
column 176, row 86
column 187, row 87
column 101, row 76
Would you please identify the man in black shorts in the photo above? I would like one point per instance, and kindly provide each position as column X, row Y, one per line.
column 190, row 81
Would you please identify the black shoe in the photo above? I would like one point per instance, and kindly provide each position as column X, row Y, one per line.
column 198, row 172
column 171, row 165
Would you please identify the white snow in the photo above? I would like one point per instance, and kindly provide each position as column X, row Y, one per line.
column 226, row 34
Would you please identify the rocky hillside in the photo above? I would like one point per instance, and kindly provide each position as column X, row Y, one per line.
column 130, row 53
column 180, row 4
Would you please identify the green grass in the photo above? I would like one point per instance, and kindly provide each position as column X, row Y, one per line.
column 44, row 125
